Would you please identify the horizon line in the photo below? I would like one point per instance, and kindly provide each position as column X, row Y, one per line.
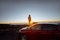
column 27, row 22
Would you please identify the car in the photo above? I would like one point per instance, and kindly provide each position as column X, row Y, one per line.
column 40, row 32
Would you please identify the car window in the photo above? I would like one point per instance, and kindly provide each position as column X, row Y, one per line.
column 49, row 27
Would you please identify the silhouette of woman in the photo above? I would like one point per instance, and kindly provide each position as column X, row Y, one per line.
column 29, row 20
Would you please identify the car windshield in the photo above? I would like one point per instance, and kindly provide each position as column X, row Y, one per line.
column 44, row 27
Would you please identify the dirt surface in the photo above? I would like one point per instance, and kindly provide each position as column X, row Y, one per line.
column 8, row 35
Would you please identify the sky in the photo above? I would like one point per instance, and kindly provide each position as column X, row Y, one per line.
column 18, row 11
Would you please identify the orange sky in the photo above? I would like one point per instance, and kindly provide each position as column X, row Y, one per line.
column 27, row 22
